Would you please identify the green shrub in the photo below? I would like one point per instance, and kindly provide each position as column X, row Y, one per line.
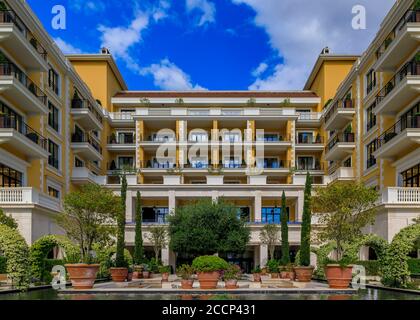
column 257, row 269
column 233, row 272
column 413, row 266
column 3, row 264
column 273, row 266
column 154, row 265
column 164, row 269
column 372, row 267
column 48, row 265
column 185, row 271
column 209, row 264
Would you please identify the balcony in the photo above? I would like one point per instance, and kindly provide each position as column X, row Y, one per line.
column 340, row 146
column 87, row 147
column 123, row 143
column 401, row 195
column 403, row 40
column 341, row 174
column 20, row 136
column 403, row 135
column 18, row 87
column 309, row 119
column 400, row 90
column 15, row 37
column 309, row 143
column 121, row 119
column 83, row 175
column 28, row 197
column 339, row 115
column 304, row 166
column 276, row 143
column 86, row 114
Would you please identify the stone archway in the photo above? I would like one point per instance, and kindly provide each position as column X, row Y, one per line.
column 394, row 266
column 43, row 246
column 16, row 252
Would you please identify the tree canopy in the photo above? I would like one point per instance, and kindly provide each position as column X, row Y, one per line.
column 207, row 227
column 7, row 220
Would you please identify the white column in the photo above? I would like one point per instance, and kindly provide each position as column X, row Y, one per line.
column 171, row 201
column 165, row 256
column 299, row 206
column 257, row 206
column 129, row 217
column 263, row 255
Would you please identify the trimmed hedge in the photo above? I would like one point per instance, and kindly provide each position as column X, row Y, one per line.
column 414, row 266
column 48, row 265
column 3, row 264
column 372, row 267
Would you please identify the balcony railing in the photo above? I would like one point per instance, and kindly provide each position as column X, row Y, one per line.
column 10, row 122
column 410, row 16
column 27, row 195
column 410, row 68
column 9, row 16
column 79, row 138
column 345, row 104
column 309, row 140
column 85, row 104
column 409, row 122
column 10, row 69
column 122, row 139
column 127, row 116
column 338, row 138
column 154, row 164
column 400, row 195
column 317, row 166
column 281, row 164
column 305, row 116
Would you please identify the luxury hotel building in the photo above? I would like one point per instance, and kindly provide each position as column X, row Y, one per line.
column 70, row 120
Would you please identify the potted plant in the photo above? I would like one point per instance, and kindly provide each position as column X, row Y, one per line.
column 273, row 268
column 138, row 271
column 256, row 272
column 130, row 273
column 208, row 269
column 231, row 276
column 304, row 270
column 146, row 272
column 343, row 209
column 286, row 272
column 86, row 219
column 186, row 272
column 164, row 271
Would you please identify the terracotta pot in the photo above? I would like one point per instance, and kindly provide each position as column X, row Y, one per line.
column 165, row 276
column 289, row 275
column 208, row 280
column 257, row 277
column 274, row 275
column 82, row 276
column 146, row 274
column 186, row 297
column 130, row 276
column 304, row 274
column 187, row 284
column 137, row 275
column 231, row 284
column 118, row 274
column 338, row 277
column 264, row 271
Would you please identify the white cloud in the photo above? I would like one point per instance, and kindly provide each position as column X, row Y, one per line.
column 207, row 9
column 260, row 69
column 66, row 48
column 168, row 76
column 299, row 29
column 87, row 6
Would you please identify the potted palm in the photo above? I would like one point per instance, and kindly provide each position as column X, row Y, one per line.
column 89, row 214
column 343, row 210
column 256, row 272
column 208, row 270
column 231, row 276
column 164, row 271
column 186, row 272
column 273, row 268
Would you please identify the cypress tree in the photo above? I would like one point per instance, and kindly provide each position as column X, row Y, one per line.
column 119, row 259
column 285, row 255
column 138, row 240
column 305, row 237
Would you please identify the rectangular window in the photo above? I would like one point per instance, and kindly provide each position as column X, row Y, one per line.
column 306, row 163
column 53, row 116
column 370, row 81
column 155, row 214
column 411, row 177
column 10, row 177
column 370, row 159
column 272, row 215
column 53, row 192
column 305, row 137
column 53, row 81
column 53, row 158
column 370, row 117
column 125, row 162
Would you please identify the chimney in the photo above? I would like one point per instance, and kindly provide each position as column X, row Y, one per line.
column 326, row 50
column 105, row 51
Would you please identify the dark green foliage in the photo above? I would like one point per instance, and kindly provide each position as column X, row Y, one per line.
column 413, row 266
column 372, row 267
column 285, row 255
column 7, row 220
column 207, row 227
column 119, row 260
column 3, row 264
column 273, row 266
column 49, row 264
column 138, row 240
column 209, row 264
column 305, row 247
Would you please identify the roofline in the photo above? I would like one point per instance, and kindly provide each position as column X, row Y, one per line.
column 327, row 57
column 101, row 57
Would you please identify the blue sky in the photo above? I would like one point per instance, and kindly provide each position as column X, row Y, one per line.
column 213, row 44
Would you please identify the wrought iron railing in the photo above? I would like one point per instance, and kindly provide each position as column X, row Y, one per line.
column 340, row 137
column 81, row 138
column 409, row 122
column 86, row 104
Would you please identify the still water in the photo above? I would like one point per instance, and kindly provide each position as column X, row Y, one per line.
column 368, row 294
